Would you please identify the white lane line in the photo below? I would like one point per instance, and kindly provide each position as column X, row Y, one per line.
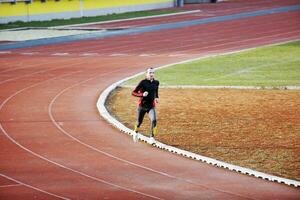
column 146, row 55
column 10, row 185
column 60, row 54
column 50, row 107
column 11, row 139
column 14, row 69
column 32, row 187
column 21, row 64
column 125, row 44
column 118, row 54
column 59, row 126
column 29, row 53
column 41, row 71
column 5, row 52
column 177, row 38
column 177, row 55
column 193, row 47
column 58, row 164
column 88, row 54
column 188, row 43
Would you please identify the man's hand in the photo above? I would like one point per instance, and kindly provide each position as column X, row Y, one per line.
column 145, row 94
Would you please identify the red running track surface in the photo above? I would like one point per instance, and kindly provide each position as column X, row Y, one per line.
column 205, row 11
column 54, row 144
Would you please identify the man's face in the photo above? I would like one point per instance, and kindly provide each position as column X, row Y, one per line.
column 150, row 74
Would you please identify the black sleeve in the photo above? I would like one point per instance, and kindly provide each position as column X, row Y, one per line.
column 157, row 90
column 137, row 92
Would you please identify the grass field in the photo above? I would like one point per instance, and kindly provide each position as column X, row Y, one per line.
column 268, row 66
column 258, row 129
column 60, row 22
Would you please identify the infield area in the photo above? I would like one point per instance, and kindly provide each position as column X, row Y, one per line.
column 258, row 129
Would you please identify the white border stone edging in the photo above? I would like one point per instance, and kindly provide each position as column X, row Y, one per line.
column 226, row 87
column 105, row 114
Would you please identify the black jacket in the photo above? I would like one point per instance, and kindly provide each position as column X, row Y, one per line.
column 152, row 88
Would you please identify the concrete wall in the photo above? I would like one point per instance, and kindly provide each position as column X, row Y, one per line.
column 65, row 9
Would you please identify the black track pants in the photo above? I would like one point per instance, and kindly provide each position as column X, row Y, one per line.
column 152, row 116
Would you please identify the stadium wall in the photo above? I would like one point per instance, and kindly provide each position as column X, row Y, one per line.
column 66, row 9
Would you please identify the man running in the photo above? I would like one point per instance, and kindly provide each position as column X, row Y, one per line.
column 147, row 91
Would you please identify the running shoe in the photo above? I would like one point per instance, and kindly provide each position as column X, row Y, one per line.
column 135, row 137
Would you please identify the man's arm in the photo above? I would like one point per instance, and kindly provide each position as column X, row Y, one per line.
column 156, row 93
column 137, row 92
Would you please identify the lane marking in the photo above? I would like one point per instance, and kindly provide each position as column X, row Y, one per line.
column 60, row 54
column 57, row 124
column 29, row 53
column 58, row 164
column 147, row 29
column 32, row 187
column 5, row 52
column 118, row 54
column 41, row 71
column 11, row 185
column 89, row 54
column 146, row 55
column 20, row 65
column 177, row 55
column 193, row 46
column 177, row 38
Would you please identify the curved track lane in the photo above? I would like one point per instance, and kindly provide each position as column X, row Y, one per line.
column 55, row 145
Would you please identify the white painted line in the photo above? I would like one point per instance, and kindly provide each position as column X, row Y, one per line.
column 59, row 127
column 28, row 53
column 11, row 185
column 106, row 115
column 118, row 54
column 5, row 52
column 131, row 19
column 176, row 55
column 34, row 188
column 146, row 55
column 56, row 163
column 89, row 54
column 60, row 54
column 36, row 72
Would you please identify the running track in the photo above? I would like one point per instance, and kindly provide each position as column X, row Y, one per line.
column 54, row 144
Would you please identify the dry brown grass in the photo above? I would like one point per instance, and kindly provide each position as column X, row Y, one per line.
column 258, row 129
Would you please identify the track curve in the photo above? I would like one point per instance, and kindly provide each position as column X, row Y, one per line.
column 55, row 145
